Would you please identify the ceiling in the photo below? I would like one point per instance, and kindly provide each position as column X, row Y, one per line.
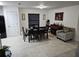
column 32, row 4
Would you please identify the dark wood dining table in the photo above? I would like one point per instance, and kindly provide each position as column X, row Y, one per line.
column 38, row 32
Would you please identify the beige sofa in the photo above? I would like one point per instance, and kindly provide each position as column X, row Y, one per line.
column 65, row 34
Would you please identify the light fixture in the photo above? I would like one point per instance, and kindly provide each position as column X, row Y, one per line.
column 41, row 6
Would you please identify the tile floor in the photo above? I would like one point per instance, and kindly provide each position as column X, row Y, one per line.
column 52, row 47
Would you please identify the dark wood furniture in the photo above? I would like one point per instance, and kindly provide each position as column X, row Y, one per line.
column 24, row 34
column 55, row 27
column 35, row 33
column 32, row 34
column 38, row 33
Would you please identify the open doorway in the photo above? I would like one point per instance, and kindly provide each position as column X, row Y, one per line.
column 2, row 27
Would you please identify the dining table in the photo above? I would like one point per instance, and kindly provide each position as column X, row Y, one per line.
column 37, row 33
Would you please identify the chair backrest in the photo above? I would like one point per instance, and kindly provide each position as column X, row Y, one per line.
column 47, row 27
column 23, row 31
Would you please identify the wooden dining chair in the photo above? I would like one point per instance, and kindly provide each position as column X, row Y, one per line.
column 33, row 34
column 46, row 31
column 24, row 34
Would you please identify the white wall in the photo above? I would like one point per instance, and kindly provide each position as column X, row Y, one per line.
column 1, row 10
column 36, row 11
column 70, row 19
column 0, row 44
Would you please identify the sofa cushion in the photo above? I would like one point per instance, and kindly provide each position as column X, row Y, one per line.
column 66, row 29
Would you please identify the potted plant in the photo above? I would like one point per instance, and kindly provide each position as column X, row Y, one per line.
column 5, row 52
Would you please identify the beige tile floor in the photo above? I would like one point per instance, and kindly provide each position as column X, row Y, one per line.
column 52, row 47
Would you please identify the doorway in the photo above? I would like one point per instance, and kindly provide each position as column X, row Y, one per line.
column 2, row 27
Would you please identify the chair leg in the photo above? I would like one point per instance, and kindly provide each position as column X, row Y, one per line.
column 43, row 36
column 29, row 39
column 37, row 37
column 47, row 35
column 24, row 38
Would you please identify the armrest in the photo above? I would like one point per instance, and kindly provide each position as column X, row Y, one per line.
column 69, row 33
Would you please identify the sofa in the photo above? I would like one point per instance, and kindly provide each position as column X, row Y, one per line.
column 55, row 27
column 65, row 34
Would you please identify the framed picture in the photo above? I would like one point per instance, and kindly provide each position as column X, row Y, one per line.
column 59, row 16
column 23, row 16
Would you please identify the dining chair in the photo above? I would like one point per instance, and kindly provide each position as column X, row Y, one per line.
column 46, row 32
column 24, row 34
column 33, row 34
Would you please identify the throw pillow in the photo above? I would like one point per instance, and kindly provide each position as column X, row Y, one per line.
column 66, row 29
